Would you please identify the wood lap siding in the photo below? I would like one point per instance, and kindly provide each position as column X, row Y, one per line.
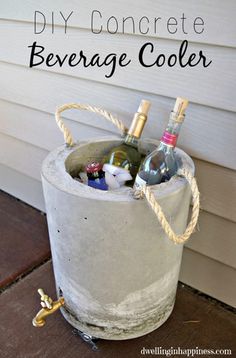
column 28, row 98
column 22, row 187
column 216, row 14
column 29, row 158
column 27, row 89
column 203, row 88
column 209, row 276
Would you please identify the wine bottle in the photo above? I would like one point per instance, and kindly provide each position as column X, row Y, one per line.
column 127, row 155
column 160, row 165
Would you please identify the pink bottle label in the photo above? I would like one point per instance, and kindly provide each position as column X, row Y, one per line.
column 169, row 139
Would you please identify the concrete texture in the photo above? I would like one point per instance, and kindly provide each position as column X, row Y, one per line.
column 113, row 264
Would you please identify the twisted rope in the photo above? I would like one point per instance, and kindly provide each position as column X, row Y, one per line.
column 178, row 239
column 66, row 132
column 145, row 190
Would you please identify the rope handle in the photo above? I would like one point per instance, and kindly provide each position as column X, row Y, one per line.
column 177, row 239
column 145, row 190
column 66, row 132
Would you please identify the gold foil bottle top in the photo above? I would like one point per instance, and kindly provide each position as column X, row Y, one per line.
column 139, row 119
column 179, row 109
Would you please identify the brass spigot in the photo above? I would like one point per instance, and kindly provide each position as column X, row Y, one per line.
column 49, row 307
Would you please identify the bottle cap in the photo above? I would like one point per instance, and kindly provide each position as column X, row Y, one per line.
column 179, row 109
column 93, row 167
column 139, row 119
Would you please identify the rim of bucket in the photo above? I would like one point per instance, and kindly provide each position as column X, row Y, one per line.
column 54, row 172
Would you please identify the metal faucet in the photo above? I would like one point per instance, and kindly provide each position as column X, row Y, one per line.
column 49, row 307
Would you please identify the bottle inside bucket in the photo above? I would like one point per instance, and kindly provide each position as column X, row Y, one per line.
column 160, row 165
column 121, row 162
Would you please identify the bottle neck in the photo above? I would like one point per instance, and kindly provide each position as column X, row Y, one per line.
column 136, row 129
column 131, row 140
column 170, row 136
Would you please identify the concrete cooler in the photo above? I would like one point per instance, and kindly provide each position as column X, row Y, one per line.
column 113, row 263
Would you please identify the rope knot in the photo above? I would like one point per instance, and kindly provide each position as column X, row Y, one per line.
column 138, row 193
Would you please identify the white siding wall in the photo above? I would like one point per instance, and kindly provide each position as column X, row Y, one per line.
column 28, row 98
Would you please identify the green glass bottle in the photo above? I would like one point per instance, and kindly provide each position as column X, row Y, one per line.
column 126, row 155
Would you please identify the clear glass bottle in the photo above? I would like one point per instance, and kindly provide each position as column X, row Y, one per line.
column 160, row 165
column 127, row 155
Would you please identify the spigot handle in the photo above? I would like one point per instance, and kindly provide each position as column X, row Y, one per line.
column 49, row 307
column 46, row 300
column 41, row 292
